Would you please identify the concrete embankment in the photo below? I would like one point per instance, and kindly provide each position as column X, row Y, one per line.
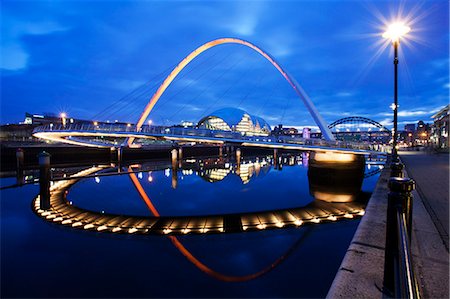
column 361, row 272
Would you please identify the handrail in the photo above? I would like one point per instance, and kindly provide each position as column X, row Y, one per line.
column 399, row 279
column 407, row 283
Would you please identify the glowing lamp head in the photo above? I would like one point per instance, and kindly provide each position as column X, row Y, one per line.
column 63, row 115
column 395, row 31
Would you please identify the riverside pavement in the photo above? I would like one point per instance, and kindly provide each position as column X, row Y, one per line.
column 361, row 272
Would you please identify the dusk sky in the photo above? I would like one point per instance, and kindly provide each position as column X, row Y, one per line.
column 86, row 57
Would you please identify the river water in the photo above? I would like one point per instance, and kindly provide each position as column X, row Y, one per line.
column 44, row 259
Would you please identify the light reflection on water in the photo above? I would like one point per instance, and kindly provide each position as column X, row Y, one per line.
column 210, row 186
column 150, row 266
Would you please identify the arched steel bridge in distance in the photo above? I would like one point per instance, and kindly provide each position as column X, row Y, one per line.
column 356, row 121
column 360, row 129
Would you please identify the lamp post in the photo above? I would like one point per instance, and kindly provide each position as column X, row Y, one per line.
column 394, row 32
column 63, row 116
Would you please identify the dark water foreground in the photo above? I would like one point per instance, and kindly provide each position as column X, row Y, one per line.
column 43, row 259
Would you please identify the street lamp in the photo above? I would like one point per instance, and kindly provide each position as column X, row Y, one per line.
column 63, row 116
column 394, row 32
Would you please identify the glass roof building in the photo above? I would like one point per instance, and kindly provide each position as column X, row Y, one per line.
column 236, row 120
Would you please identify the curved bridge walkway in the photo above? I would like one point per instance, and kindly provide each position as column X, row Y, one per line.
column 92, row 135
column 63, row 213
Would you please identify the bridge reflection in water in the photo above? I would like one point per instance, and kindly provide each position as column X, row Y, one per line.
column 213, row 170
column 334, row 184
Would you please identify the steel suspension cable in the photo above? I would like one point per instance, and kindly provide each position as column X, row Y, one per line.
column 213, row 82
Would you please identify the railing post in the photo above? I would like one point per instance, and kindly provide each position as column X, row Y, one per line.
column 397, row 169
column 44, row 180
column 399, row 201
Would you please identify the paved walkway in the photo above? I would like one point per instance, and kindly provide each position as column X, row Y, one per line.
column 431, row 173
column 361, row 271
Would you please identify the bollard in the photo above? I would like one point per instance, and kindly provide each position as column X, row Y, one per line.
column 399, row 200
column 19, row 165
column 397, row 169
column 44, row 180
column 395, row 159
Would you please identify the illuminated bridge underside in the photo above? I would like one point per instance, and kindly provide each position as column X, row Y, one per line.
column 63, row 213
column 75, row 138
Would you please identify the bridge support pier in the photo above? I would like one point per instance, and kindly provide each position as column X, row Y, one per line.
column 174, row 178
column 238, row 155
column 44, row 180
column 180, row 153
column 238, row 161
column 20, row 165
column 275, row 158
column 174, row 155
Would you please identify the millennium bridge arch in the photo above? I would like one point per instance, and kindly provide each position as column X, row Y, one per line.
column 326, row 133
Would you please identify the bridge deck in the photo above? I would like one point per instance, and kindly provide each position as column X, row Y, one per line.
column 75, row 134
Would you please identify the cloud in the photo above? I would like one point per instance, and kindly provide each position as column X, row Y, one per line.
column 409, row 113
column 386, row 122
column 13, row 52
column 246, row 18
column 344, row 94
column 440, row 63
column 13, row 57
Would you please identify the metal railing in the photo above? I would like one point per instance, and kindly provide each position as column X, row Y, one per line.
column 399, row 279
column 207, row 133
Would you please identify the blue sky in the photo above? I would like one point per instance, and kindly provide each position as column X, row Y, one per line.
column 84, row 57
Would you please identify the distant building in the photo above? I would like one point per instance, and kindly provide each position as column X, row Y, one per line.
column 235, row 120
column 422, row 133
column 187, row 124
column 410, row 128
column 23, row 131
column 439, row 130
column 279, row 130
column 17, row 132
column 306, row 133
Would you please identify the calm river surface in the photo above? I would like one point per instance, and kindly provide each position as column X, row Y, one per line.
column 43, row 259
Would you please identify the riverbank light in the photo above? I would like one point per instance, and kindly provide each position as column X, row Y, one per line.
column 63, row 117
column 395, row 31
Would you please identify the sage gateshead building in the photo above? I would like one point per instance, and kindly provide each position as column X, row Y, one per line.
column 235, row 120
